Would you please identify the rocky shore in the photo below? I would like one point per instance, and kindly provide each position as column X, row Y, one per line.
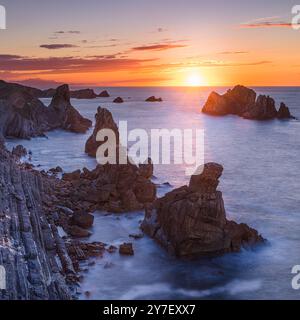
column 22, row 115
column 191, row 221
column 42, row 216
column 242, row 101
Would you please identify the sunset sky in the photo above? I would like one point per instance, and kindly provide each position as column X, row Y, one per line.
column 150, row 43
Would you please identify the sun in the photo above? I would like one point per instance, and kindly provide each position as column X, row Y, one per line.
column 195, row 79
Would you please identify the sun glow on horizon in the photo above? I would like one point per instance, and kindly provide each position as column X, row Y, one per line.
column 195, row 79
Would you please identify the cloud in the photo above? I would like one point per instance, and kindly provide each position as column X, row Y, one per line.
column 70, row 32
column 158, row 47
column 58, row 46
column 9, row 57
column 267, row 24
column 58, row 65
column 233, row 52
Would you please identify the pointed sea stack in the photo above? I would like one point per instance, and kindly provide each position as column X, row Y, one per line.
column 191, row 221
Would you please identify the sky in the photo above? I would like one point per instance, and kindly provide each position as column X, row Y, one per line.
column 150, row 43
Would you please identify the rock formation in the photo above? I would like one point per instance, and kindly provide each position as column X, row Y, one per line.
column 83, row 94
column 118, row 100
column 103, row 94
column 153, row 99
column 35, row 257
column 24, row 116
column 191, row 221
column 242, row 101
column 284, row 112
column 104, row 120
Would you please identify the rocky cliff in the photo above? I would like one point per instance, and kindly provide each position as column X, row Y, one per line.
column 191, row 221
column 35, row 257
column 22, row 115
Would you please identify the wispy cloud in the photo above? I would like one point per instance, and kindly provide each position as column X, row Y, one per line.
column 159, row 47
column 68, row 32
column 58, row 65
column 268, row 22
column 233, row 52
column 58, row 46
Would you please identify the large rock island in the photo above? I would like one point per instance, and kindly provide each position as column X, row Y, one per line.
column 22, row 115
column 242, row 101
column 191, row 221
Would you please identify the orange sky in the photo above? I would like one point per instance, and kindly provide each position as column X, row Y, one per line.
column 127, row 43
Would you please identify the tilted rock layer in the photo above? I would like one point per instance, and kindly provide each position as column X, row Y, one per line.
column 191, row 221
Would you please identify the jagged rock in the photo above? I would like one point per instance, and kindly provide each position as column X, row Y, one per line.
column 146, row 169
column 242, row 101
column 126, row 249
column 103, row 94
column 75, row 175
column 118, row 100
column 67, row 116
column 56, row 170
column 153, row 99
column 19, row 151
column 264, row 109
column 284, row 112
column 104, row 120
column 191, row 221
column 22, row 115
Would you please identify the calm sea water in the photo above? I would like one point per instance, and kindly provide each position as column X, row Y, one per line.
column 260, row 184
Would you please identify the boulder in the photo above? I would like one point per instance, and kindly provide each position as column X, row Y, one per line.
column 118, row 100
column 78, row 232
column 126, row 249
column 82, row 219
column 191, row 221
column 103, row 94
column 153, row 99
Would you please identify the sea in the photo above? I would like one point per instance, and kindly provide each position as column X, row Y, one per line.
column 260, row 186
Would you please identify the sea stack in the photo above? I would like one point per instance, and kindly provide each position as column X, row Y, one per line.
column 242, row 101
column 104, row 94
column 118, row 100
column 191, row 221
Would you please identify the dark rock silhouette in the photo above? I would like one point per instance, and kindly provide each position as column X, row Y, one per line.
column 153, row 99
column 83, row 94
column 104, row 120
column 242, row 101
column 24, row 116
column 118, row 100
column 284, row 112
column 191, row 221
column 103, row 94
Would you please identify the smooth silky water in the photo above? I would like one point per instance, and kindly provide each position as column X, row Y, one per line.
column 260, row 185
